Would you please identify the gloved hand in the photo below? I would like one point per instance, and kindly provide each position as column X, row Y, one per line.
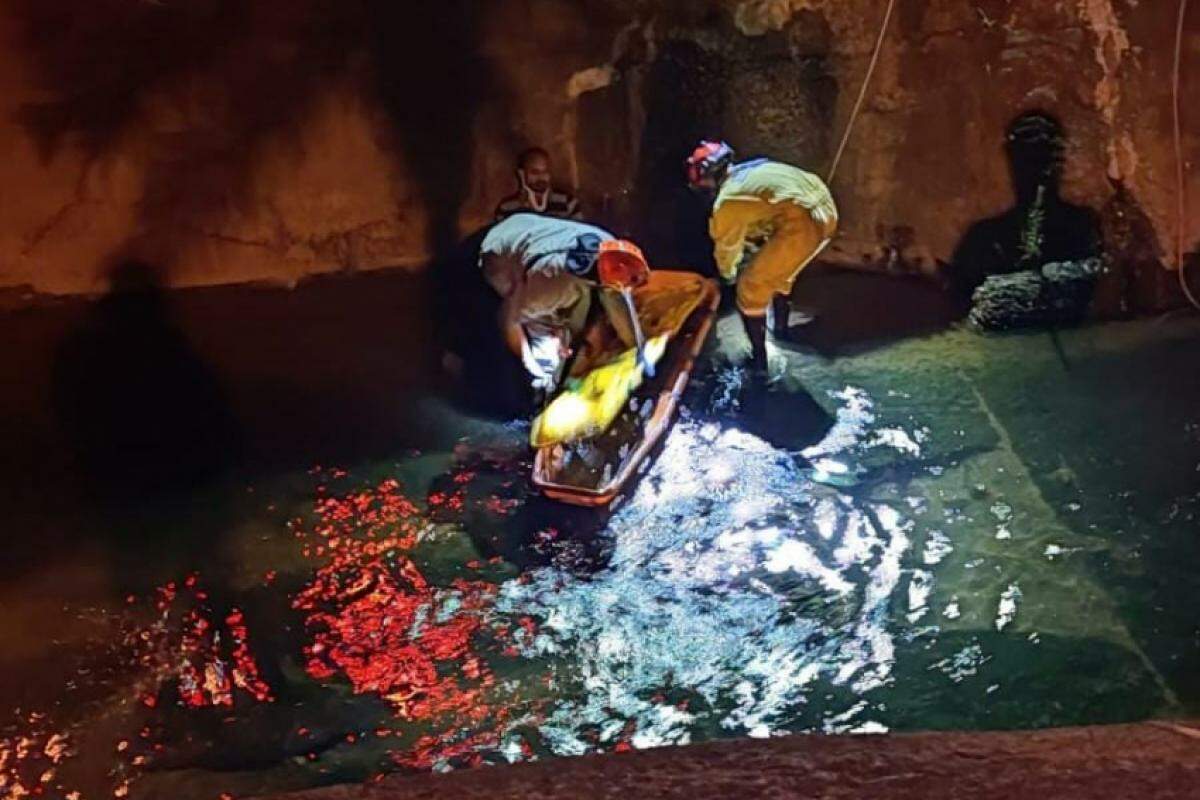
column 543, row 357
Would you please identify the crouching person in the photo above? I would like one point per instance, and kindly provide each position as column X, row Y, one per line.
column 544, row 270
column 787, row 210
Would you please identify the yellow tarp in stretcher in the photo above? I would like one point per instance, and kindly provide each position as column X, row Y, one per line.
column 607, row 374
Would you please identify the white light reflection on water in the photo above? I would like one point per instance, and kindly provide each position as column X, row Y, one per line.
column 1007, row 610
column 735, row 581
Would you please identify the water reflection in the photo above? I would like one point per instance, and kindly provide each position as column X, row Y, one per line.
column 741, row 598
column 760, row 580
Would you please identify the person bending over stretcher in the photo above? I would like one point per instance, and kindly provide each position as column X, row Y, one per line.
column 788, row 211
column 544, row 269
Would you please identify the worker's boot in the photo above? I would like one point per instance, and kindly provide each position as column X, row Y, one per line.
column 756, row 332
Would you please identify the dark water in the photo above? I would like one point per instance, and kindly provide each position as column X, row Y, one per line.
column 951, row 533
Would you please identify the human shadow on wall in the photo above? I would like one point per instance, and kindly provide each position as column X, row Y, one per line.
column 142, row 413
column 1041, row 227
column 238, row 84
column 152, row 443
column 148, row 428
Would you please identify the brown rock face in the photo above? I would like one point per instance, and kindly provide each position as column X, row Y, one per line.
column 1149, row 760
column 231, row 142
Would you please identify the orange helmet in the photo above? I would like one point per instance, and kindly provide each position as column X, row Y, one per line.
column 622, row 265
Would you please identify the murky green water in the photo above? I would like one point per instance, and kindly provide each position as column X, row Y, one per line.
column 947, row 533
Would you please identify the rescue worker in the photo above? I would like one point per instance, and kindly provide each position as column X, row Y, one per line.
column 535, row 190
column 769, row 220
column 544, row 269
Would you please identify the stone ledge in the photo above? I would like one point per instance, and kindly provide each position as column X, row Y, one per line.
column 1149, row 760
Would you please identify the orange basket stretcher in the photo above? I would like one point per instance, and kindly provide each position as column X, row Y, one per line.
column 665, row 391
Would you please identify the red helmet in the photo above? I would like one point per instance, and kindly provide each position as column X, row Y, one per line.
column 708, row 160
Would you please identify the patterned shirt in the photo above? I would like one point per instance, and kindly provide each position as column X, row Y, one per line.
column 557, row 204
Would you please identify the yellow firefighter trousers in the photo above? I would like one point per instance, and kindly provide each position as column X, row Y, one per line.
column 795, row 242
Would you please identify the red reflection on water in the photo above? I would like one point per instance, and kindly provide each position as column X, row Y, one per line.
column 30, row 760
column 207, row 662
column 375, row 619
column 180, row 653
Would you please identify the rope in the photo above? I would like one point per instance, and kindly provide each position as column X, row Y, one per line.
column 1181, row 185
column 862, row 94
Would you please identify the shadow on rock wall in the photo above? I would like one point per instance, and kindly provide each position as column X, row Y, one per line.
column 683, row 105
column 140, row 410
column 432, row 80
column 210, row 84
column 146, row 424
column 489, row 379
column 771, row 95
column 1041, row 227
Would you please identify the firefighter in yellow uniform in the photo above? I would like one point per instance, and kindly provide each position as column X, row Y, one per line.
column 787, row 213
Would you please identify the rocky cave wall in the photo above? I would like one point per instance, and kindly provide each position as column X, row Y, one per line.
column 227, row 142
